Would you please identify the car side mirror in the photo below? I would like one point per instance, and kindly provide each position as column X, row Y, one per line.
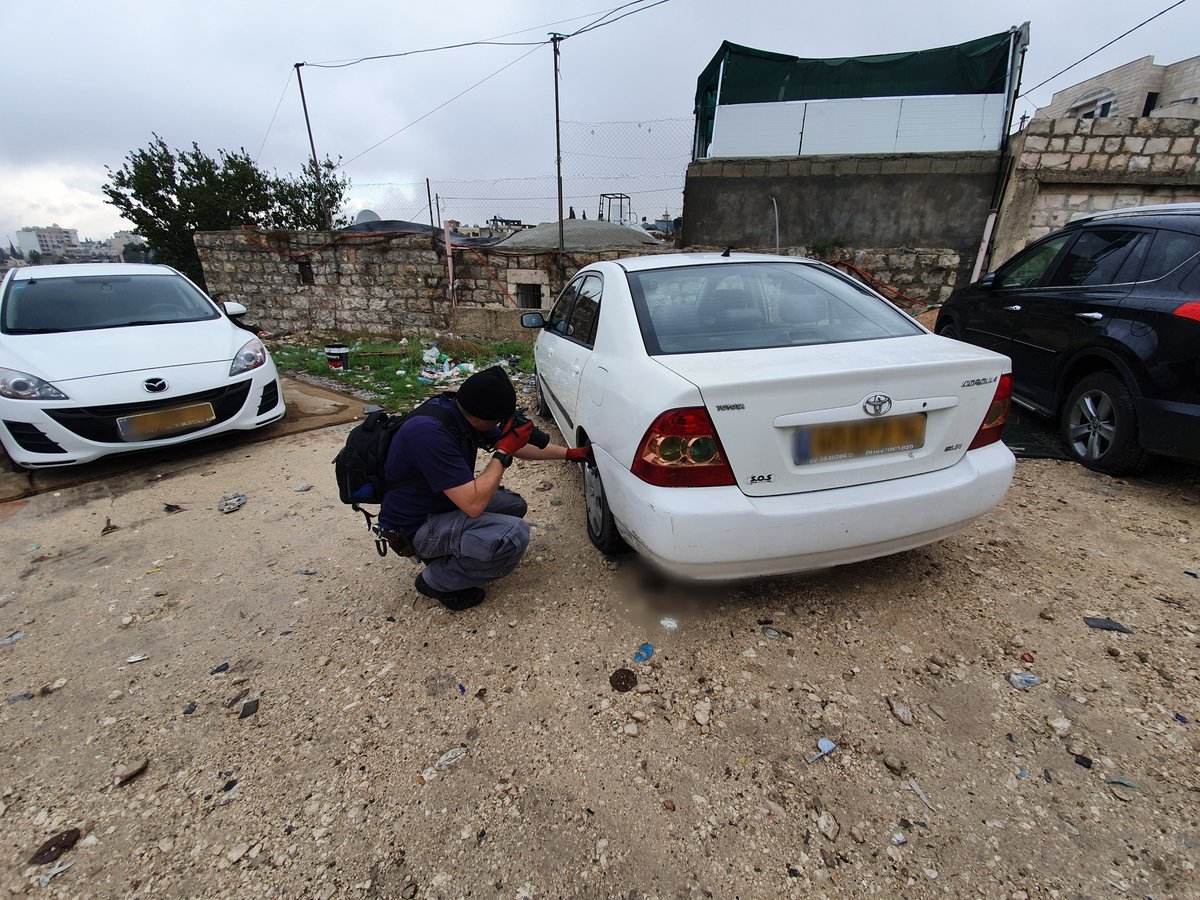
column 234, row 309
column 533, row 320
column 988, row 280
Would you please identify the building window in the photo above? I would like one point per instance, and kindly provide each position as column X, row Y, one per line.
column 306, row 272
column 1104, row 108
column 1151, row 102
column 529, row 296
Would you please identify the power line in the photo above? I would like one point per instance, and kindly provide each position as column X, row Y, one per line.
column 282, row 94
column 600, row 24
column 1098, row 49
column 436, row 108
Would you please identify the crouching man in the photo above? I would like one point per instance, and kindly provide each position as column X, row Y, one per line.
column 467, row 529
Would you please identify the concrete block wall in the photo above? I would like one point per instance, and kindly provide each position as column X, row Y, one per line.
column 1065, row 168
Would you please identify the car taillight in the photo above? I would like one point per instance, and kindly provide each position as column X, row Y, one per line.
column 1188, row 311
column 681, row 449
column 997, row 414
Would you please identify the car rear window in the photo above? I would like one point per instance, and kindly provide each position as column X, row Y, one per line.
column 744, row 306
column 1169, row 251
column 43, row 305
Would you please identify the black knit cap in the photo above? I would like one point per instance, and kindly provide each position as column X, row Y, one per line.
column 488, row 395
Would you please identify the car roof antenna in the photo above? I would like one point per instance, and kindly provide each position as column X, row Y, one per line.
column 726, row 253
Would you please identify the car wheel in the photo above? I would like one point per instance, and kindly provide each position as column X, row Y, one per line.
column 1099, row 426
column 543, row 408
column 950, row 330
column 600, row 525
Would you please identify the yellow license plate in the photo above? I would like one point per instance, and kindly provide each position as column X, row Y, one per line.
column 848, row 440
column 165, row 422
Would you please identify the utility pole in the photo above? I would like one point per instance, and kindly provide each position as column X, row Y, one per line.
column 316, row 163
column 555, row 39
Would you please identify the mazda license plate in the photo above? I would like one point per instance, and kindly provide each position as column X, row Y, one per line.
column 849, row 440
column 165, row 422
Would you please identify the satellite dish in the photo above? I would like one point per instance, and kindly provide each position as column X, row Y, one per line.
column 367, row 215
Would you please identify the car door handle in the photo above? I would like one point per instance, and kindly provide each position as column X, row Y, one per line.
column 1012, row 309
column 1090, row 316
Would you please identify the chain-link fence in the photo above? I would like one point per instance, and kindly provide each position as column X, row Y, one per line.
column 620, row 171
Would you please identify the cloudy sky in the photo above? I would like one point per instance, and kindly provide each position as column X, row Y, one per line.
column 86, row 84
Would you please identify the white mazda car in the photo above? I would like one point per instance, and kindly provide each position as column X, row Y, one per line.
column 759, row 415
column 108, row 358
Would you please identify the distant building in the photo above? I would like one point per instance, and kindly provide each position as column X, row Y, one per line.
column 51, row 240
column 116, row 243
column 1138, row 88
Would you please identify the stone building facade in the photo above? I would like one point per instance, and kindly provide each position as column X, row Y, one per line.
column 1068, row 167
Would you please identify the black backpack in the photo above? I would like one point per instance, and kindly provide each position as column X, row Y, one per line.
column 358, row 467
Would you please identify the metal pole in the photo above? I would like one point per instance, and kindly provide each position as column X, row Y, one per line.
column 776, row 205
column 312, row 146
column 562, row 272
column 432, row 224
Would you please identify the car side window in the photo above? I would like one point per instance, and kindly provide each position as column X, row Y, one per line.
column 1169, row 251
column 562, row 308
column 1030, row 267
column 1095, row 258
column 586, row 311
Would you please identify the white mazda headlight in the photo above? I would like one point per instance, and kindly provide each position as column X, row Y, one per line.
column 19, row 386
column 252, row 355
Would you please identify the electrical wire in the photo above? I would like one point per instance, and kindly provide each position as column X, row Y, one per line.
column 439, row 106
column 1098, row 49
column 600, row 24
column 282, row 94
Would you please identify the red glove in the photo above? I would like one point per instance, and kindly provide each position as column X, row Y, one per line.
column 581, row 454
column 515, row 437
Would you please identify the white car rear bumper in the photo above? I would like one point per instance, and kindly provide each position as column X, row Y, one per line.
column 720, row 533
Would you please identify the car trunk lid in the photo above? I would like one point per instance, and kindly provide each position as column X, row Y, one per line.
column 797, row 419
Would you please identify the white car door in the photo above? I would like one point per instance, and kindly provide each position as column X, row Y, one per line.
column 576, row 347
column 548, row 355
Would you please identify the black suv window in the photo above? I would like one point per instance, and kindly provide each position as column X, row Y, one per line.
column 1095, row 258
column 1169, row 250
column 1028, row 269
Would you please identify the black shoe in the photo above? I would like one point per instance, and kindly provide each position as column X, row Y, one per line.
column 452, row 600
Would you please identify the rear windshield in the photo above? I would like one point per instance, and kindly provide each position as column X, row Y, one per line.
column 746, row 306
column 45, row 305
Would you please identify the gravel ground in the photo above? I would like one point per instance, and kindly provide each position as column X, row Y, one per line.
column 302, row 723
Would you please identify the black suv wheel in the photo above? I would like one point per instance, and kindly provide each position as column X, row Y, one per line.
column 1099, row 425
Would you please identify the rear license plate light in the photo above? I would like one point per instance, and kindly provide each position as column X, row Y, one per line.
column 850, row 440
column 165, row 422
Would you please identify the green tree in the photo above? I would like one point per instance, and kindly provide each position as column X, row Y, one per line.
column 301, row 201
column 169, row 195
column 35, row 258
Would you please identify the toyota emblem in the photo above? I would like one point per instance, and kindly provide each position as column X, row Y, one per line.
column 877, row 404
column 155, row 385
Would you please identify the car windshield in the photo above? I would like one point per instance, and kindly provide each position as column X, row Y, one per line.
column 45, row 305
column 745, row 306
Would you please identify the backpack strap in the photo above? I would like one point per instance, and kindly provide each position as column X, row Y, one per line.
column 433, row 411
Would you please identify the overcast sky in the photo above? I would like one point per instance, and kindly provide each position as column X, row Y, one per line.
column 86, row 84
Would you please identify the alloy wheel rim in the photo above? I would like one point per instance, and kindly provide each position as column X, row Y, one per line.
column 1092, row 426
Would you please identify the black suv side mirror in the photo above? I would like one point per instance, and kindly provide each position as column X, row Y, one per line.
column 988, row 280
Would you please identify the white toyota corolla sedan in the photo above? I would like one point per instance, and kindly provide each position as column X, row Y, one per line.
column 108, row 358
column 758, row 415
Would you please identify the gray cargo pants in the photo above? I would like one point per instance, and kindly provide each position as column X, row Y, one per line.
column 461, row 552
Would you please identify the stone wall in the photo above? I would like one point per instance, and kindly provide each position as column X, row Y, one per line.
column 1066, row 168
column 383, row 285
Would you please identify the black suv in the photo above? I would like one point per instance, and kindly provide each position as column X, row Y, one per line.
column 1102, row 322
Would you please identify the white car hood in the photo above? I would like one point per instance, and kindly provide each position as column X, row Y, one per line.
column 67, row 356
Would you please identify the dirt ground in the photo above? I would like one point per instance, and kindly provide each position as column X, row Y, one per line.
column 255, row 704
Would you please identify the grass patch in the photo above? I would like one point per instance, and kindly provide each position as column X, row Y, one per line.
column 397, row 373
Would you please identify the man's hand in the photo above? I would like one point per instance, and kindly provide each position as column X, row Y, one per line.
column 515, row 437
column 581, row 454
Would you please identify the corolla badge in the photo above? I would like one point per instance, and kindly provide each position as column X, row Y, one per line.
column 877, row 404
column 155, row 385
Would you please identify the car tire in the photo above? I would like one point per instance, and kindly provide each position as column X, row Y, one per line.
column 950, row 330
column 601, row 528
column 543, row 408
column 1099, row 426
